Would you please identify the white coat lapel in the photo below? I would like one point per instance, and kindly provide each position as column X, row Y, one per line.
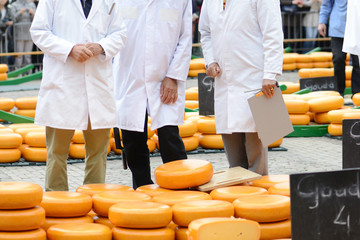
column 79, row 7
column 94, row 8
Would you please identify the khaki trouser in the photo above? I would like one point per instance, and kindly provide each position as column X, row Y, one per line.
column 246, row 150
column 58, row 144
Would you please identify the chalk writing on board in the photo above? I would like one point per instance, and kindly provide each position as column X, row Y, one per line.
column 355, row 134
column 318, row 87
column 340, row 220
column 209, row 82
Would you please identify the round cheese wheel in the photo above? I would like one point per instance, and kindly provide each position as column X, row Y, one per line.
column 195, row 73
column 276, row 143
column 291, row 87
column 321, row 56
column 211, row 141
column 321, row 64
column 143, row 234
column 289, row 58
column 192, row 116
column 4, row 68
column 25, row 112
column 263, row 208
column 10, row 155
column 206, row 125
column 23, row 131
column 335, row 129
column 151, row 145
column 185, row 212
column 173, row 197
column 22, row 220
column 188, row 129
column 26, row 102
column 140, row 214
column 297, row 106
column 289, row 66
column 192, row 94
column 78, row 137
column 77, row 151
column 190, row 143
column 348, row 72
column 19, row 195
column 10, row 140
column 38, row 234
column 35, row 154
column 322, row 72
column 181, row 174
column 79, row 231
column 269, row 180
column 6, row 104
column 305, row 72
column 280, row 189
column 3, row 129
column 336, row 116
column 352, row 115
column 276, row 230
column 303, row 58
column 103, row 201
column 50, row 221
column 94, row 188
column 66, row 204
column 113, row 146
column 304, row 65
column 356, row 99
column 104, row 221
column 326, row 104
column 348, row 83
column 36, row 139
column 152, row 190
column 15, row 126
column 321, row 118
column 181, row 233
column 192, row 104
column 197, row 63
column 233, row 192
column 299, row 119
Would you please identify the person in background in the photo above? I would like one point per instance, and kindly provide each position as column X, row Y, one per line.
column 150, row 74
column 243, row 47
column 310, row 22
column 334, row 13
column 79, row 40
column 6, row 20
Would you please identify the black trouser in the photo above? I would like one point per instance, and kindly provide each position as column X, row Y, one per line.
column 137, row 152
column 339, row 58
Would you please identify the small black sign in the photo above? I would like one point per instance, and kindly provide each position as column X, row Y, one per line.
column 319, row 84
column 206, row 86
column 325, row 205
column 351, row 143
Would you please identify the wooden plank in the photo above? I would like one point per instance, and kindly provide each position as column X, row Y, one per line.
column 229, row 177
column 14, row 118
column 16, row 81
column 19, row 71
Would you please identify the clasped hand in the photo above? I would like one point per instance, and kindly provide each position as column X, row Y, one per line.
column 82, row 52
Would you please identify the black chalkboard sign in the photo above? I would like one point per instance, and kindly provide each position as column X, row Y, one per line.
column 206, row 94
column 351, row 143
column 325, row 205
column 319, row 84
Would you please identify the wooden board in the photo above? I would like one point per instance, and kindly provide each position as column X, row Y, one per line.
column 229, row 177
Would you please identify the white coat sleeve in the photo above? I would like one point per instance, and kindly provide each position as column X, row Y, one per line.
column 115, row 38
column 269, row 19
column 180, row 63
column 205, row 32
column 42, row 32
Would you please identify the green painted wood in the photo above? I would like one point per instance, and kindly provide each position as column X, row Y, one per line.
column 16, row 81
column 14, row 118
column 19, row 71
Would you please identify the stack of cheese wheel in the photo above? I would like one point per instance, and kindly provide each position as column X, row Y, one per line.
column 9, row 144
column 192, row 93
column 197, row 66
column 152, row 189
column 271, row 211
column 289, row 61
column 291, row 87
column 26, row 106
column 270, row 180
column 3, row 72
column 321, row 59
column 6, row 104
column 316, row 72
column 348, row 74
column 233, row 192
column 150, row 142
column 208, row 138
column 280, row 189
column 336, row 118
column 322, row 105
column 20, row 215
column 298, row 110
column 304, row 61
column 66, row 207
column 71, row 231
column 187, row 132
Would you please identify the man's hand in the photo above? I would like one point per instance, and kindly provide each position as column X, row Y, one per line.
column 322, row 29
column 31, row 11
column 95, row 48
column 168, row 91
column 80, row 53
column 268, row 87
column 213, row 70
column 22, row 11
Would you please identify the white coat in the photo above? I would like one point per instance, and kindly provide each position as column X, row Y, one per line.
column 246, row 40
column 352, row 33
column 159, row 44
column 72, row 92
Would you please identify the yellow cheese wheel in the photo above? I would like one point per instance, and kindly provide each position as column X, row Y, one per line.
column 322, row 72
column 183, row 174
column 152, row 189
column 94, row 188
column 104, row 200
column 321, row 56
column 35, row 154
column 36, row 139
column 23, row 131
column 150, row 132
column 77, row 151
column 3, row 129
column 192, row 116
column 3, row 76
column 140, row 214
column 25, row 112
column 6, row 104
column 321, row 118
column 263, row 208
column 188, row 129
column 206, row 125
column 223, row 228
column 336, row 116
column 50, row 221
column 321, row 65
column 197, row 63
column 38, row 234
column 269, row 180
column 211, row 141
column 192, row 104
column 299, row 119
column 335, row 129
column 143, row 234
column 305, row 72
column 9, row 155
column 280, row 189
column 351, row 115
column 66, row 204
column 4, row 68
column 173, row 197
column 233, row 192
column 79, row 231
column 10, row 140
column 26, row 102
column 151, row 145
column 300, row 65
column 78, row 137
column 276, row 143
column 311, row 115
column 15, row 126
column 347, row 83
column 326, row 104
column 22, row 220
column 290, row 87
column 348, row 72
column 289, row 66
column 192, row 94
column 195, row 73
column 190, row 143
column 303, row 58
column 113, row 146
column 275, row 230
column 104, row 221
column 296, row 106
column 181, row 233
column 19, row 195
column 185, row 212
column 289, row 58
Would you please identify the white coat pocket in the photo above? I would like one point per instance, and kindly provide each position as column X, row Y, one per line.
column 129, row 13
column 169, row 15
column 169, row 25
